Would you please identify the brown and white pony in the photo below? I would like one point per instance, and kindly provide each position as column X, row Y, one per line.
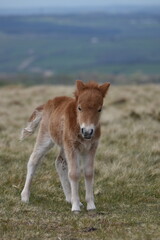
column 73, row 124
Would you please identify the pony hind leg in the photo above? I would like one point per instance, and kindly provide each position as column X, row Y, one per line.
column 43, row 144
column 62, row 169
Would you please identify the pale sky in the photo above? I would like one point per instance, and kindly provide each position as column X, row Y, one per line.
column 71, row 3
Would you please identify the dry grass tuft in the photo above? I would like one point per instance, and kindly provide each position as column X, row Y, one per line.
column 127, row 175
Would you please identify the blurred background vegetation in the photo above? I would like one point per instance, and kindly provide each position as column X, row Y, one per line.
column 120, row 45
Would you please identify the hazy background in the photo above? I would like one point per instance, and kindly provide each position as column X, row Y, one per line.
column 59, row 41
column 71, row 3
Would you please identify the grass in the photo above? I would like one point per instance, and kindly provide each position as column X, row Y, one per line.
column 127, row 170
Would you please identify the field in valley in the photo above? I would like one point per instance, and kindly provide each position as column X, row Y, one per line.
column 127, row 170
column 99, row 42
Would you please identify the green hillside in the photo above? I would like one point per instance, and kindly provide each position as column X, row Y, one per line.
column 70, row 44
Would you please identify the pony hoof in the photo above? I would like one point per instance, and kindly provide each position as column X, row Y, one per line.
column 24, row 197
column 24, row 200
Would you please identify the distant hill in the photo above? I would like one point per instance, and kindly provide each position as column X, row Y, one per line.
column 90, row 9
column 71, row 43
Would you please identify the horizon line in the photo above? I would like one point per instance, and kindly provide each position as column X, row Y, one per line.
column 85, row 6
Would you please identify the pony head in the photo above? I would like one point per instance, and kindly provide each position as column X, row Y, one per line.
column 89, row 99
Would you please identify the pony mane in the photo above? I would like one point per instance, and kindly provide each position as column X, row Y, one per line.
column 90, row 85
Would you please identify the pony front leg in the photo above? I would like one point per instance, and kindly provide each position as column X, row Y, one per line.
column 74, row 175
column 89, row 178
column 74, row 181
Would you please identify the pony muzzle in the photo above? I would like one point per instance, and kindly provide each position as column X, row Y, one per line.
column 87, row 131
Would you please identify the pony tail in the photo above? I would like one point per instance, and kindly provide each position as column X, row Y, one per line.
column 33, row 123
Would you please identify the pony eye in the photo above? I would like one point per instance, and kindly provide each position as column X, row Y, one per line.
column 99, row 110
column 79, row 108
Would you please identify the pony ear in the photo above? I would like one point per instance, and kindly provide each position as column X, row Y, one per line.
column 80, row 85
column 104, row 88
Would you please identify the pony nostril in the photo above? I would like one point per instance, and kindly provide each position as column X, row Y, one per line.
column 82, row 129
column 91, row 132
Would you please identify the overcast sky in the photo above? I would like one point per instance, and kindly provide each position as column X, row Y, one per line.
column 70, row 3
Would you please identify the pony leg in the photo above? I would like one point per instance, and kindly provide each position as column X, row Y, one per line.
column 43, row 144
column 74, row 181
column 74, row 175
column 62, row 169
column 89, row 181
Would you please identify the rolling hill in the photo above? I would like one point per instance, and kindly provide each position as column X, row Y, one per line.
column 104, row 43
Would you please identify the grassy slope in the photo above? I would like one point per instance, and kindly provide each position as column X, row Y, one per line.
column 127, row 175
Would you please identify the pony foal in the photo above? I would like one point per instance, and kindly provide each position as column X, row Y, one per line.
column 73, row 124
